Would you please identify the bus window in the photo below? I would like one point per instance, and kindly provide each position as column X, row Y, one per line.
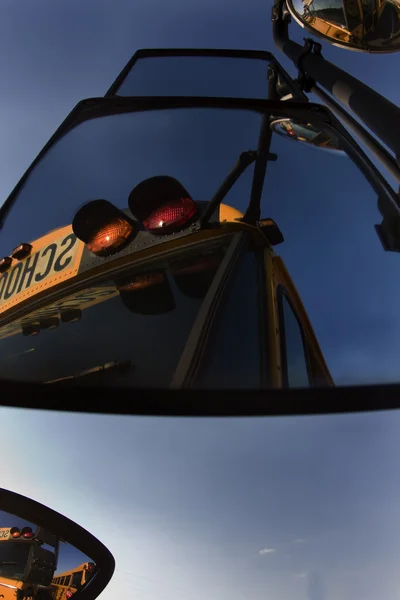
column 13, row 558
column 233, row 357
column 76, row 580
column 294, row 357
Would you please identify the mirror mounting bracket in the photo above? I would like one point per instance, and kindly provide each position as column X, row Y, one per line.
column 304, row 80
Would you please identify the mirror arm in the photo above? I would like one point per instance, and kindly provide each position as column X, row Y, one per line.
column 253, row 211
column 385, row 158
column 245, row 160
column 380, row 115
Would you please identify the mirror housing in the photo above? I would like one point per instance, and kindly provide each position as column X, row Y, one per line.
column 271, row 231
column 53, row 533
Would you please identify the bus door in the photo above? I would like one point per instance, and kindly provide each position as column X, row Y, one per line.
column 228, row 344
column 255, row 333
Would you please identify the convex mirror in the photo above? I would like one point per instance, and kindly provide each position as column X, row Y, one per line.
column 302, row 131
column 46, row 556
column 366, row 26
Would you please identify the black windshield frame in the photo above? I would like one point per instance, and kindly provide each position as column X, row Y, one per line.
column 319, row 116
column 262, row 55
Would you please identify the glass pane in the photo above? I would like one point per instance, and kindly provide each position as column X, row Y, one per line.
column 129, row 331
column 107, row 157
column 347, row 283
column 233, row 358
column 76, row 580
column 197, row 76
column 296, row 365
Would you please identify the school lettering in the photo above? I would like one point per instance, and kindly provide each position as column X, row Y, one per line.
column 13, row 281
column 48, row 252
column 36, row 268
column 28, row 272
column 69, row 242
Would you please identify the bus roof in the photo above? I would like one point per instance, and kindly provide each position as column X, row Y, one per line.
column 54, row 259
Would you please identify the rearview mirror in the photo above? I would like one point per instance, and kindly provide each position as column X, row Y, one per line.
column 367, row 26
column 46, row 556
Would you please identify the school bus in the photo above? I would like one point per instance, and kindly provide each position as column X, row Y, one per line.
column 149, row 285
column 217, row 305
column 15, row 580
column 65, row 584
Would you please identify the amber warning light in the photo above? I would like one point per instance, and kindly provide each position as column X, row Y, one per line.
column 103, row 227
column 15, row 532
column 25, row 533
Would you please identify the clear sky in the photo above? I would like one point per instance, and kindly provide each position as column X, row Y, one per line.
column 285, row 508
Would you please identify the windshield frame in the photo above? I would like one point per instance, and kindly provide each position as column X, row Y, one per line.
column 262, row 55
column 318, row 116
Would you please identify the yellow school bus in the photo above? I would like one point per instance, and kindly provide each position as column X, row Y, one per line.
column 65, row 584
column 15, row 545
column 159, row 304
column 122, row 264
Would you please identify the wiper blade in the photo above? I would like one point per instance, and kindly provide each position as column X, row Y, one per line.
column 123, row 366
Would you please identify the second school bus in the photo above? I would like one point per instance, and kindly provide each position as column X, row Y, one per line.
column 65, row 584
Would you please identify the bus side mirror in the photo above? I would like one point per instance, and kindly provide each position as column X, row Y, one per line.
column 45, row 555
column 371, row 26
column 271, row 231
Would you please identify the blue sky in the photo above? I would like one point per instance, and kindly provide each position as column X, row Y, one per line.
column 294, row 508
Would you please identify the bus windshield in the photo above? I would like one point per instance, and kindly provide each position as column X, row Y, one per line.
column 129, row 330
column 106, row 157
column 13, row 559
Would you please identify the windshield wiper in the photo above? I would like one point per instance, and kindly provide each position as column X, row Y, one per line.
column 122, row 367
column 9, row 562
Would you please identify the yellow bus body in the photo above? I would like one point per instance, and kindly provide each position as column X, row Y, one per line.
column 11, row 588
column 65, row 584
column 57, row 291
